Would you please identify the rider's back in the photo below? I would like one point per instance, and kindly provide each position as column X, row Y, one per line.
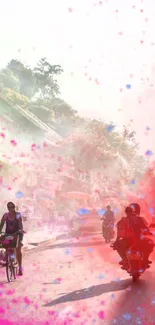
column 131, row 226
column 108, row 216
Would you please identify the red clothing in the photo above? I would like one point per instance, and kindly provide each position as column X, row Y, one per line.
column 132, row 226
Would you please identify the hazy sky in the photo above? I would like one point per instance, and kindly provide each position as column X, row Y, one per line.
column 102, row 45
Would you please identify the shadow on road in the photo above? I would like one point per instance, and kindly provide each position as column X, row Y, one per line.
column 77, row 234
column 90, row 292
column 80, row 244
column 137, row 304
column 33, row 244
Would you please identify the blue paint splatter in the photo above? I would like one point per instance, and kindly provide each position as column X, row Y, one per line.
column 101, row 212
column 55, row 282
column 67, row 251
column 19, row 194
column 83, row 211
column 115, row 210
column 149, row 153
column 128, row 86
column 127, row 316
column 110, row 128
column 101, row 277
column 151, row 210
column 148, row 128
column 90, row 250
column 132, row 181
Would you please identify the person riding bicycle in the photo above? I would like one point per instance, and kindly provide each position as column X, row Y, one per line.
column 13, row 221
column 130, row 231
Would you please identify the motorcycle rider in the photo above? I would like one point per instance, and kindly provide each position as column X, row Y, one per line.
column 131, row 230
column 145, row 244
column 108, row 219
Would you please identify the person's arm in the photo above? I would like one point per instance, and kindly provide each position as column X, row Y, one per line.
column 144, row 226
column 20, row 221
column 2, row 223
column 103, row 217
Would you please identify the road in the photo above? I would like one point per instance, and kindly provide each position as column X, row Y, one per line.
column 76, row 280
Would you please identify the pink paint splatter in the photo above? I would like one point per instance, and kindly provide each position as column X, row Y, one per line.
column 101, row 314
column 13, row 142
column 2, row 135
column 27, row 300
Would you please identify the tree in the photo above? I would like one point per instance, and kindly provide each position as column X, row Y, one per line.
column 38, row 82
column 56, row 113
column 46, row 86
column 8, row 80
column 25, row 77
column 96, row 151
column 14, row 97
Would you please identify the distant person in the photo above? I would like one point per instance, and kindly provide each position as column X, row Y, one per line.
column 108, row 219
column 13, row 221
column 108, row 216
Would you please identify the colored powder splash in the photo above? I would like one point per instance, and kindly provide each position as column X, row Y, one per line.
column 70, row 275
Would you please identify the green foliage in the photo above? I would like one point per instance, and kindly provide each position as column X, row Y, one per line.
column 37, row 82
column 25, row 77
column 59, row 107
column 90, row 146
column 46, row 85
column 14, row 97
column 8, row 79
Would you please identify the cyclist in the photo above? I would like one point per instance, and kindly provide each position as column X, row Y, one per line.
column 13, row 221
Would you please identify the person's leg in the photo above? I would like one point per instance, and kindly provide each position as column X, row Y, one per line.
column 146, row 246
column 121, row 249
column 19, row 259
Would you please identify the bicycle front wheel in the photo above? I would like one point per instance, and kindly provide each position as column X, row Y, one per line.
column 9, row 272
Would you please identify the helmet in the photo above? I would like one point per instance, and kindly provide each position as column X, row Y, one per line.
column 135, row 207
column 128, row 210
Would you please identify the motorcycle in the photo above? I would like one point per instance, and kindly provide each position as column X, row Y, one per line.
column 134, row 264
column 108, row 231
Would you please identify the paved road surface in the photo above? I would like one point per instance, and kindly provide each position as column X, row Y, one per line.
column 76, row 279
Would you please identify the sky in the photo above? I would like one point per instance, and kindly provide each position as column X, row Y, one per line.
column 106, row 48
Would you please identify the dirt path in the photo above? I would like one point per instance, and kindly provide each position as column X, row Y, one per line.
column 78, row 280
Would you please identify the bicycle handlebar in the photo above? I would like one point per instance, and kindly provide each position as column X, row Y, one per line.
column 15, row 233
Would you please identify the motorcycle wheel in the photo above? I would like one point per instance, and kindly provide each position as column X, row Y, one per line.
column 135, row 276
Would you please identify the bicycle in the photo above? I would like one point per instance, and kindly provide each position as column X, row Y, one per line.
column 10, row 243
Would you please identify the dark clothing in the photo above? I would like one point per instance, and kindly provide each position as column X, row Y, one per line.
column 12, row 226
column 108, row 224
column 108, row 215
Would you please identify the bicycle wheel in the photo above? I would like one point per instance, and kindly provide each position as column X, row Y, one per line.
column 15, row 266
column 9, row 271
column 10, row 268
